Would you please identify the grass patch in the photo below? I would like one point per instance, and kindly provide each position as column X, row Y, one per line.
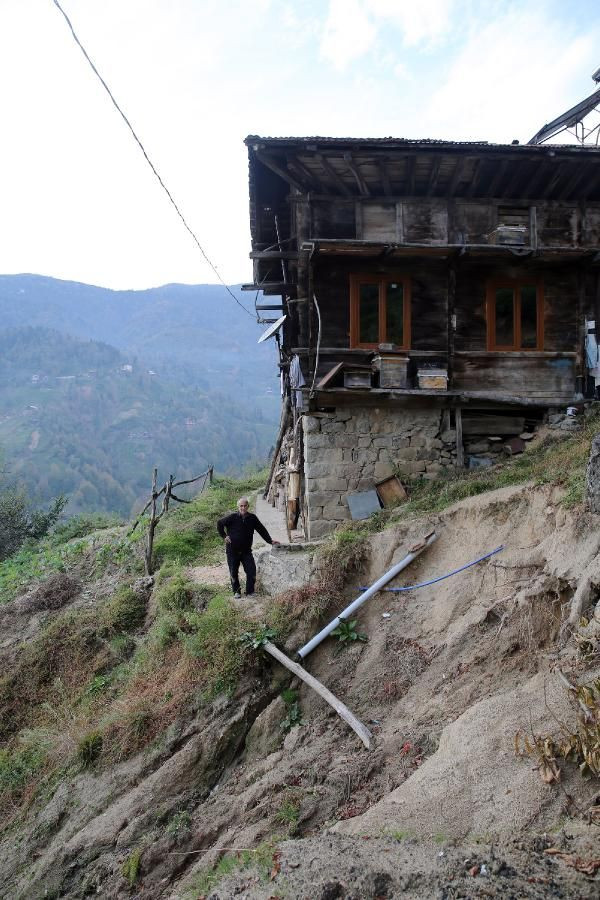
column 262, row 859
column 189, row 533
column 131, row 867
column 176, row 594
column 126, row 610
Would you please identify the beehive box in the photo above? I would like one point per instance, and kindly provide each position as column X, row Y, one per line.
column 392, row 370
column 433, row 379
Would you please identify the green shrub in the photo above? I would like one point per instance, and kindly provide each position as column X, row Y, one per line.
column 176, row 595
column 131, row 867
column 126, row 610
column 89, row 749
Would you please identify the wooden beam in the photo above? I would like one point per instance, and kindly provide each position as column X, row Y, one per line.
column 270, row 163
column 385, row 178
column 337, row 180
column 473, row 186
column 458, row 168
column 497, row 178
column 362, row 185
column 433, row 177
column 302, row 173
column 341, row 709
column 273, row 254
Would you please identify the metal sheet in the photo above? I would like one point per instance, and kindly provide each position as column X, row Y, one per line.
column 363, row 504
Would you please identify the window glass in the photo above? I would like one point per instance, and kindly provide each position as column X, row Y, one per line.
column 368, row 314
column 505, row 323
column 395, row 313
column 529, row 336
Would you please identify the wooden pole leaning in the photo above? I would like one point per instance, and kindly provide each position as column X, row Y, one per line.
column 341, row 709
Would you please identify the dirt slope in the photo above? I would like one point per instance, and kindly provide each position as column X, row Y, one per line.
column 444, row 682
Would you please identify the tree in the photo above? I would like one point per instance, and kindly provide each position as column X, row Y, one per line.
column 18, row 521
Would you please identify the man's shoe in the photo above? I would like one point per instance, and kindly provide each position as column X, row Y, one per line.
column 237, row 596
column 249, row 593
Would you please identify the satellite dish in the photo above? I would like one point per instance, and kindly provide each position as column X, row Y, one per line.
column 271, row 330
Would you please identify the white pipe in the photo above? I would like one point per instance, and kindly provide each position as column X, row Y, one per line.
column 356, row 604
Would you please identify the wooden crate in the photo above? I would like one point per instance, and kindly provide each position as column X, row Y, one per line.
column 391, row 491
column 357, row 376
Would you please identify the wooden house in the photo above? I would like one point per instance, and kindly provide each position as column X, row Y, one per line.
column 435, row 295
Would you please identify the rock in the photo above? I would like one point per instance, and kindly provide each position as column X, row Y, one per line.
column 449, row 436
column 383, row 470
column 527, row 436
column 514, row 445
column 592, row 489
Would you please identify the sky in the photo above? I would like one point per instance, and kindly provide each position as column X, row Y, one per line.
column 77, row 199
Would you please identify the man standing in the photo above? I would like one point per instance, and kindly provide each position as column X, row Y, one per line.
column 237, row 529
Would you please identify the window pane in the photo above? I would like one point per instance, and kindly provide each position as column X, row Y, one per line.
column 529, row 317
column 368, row 319
column 395, row 314
column 504, row 317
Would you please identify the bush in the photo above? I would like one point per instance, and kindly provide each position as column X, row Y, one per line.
column 176, row 595
column 126, row 610
column 89, row 749
column 81, row 526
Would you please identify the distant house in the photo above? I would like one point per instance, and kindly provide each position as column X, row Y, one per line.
column 436, row 296
column 127, row 368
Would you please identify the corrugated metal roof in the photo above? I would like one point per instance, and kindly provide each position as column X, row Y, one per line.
column 416, row 142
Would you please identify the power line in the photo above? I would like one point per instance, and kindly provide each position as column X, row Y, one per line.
column 147, row 158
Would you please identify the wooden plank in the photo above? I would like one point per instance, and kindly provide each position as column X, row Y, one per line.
column 498, row 424
column 411, row 162
column 458, row 169
column 473, row 186
column 433, row 177
column 273, row 254
column 362, row 185
column 460, row 450
column 385, row 178
column 341, row 709
column 328, row 378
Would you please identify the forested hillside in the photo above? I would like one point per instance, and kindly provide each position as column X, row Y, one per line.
column 82, row 418
column 194, row 333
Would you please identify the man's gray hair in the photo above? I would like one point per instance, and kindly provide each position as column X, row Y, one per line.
column 243, row 500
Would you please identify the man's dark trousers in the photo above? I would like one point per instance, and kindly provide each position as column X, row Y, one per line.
column 234, row 558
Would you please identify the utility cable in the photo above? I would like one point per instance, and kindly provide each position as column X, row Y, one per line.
column 413, row 587
column 147, row 158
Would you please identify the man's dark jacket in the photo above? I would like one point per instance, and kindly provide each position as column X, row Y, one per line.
column 241, row 530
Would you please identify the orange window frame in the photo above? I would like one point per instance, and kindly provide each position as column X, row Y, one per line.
column 381, row 281
column 516, row 287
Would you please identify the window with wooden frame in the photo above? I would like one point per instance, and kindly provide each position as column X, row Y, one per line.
column 379, row 311
column 515, row 315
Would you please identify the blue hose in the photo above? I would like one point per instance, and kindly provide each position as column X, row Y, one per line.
column 413, row 587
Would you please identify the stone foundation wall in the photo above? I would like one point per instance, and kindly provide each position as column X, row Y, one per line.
column 351, row 449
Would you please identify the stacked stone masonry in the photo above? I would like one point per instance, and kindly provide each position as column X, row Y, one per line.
column 351, row 450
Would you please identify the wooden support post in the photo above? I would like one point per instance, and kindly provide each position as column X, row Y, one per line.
column 460, row 450
column 151, row 526
column 341, row 709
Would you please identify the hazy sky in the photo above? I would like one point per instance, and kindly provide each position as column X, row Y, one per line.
column 196, row 76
